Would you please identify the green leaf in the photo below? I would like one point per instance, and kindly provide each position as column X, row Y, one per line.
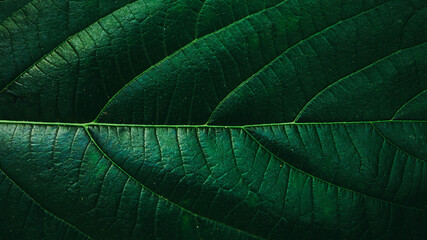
column 94, row 63
column 32, row 28
column 215, row 119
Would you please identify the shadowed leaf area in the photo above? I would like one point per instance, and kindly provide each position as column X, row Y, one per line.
column 213, row 119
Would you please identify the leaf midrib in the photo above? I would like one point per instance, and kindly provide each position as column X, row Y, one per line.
column 243, row 128
column 88, row 124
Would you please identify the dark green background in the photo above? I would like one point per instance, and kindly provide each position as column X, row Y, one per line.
column 215, row 119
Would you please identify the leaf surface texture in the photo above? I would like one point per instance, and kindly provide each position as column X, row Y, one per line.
column 215, row 119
